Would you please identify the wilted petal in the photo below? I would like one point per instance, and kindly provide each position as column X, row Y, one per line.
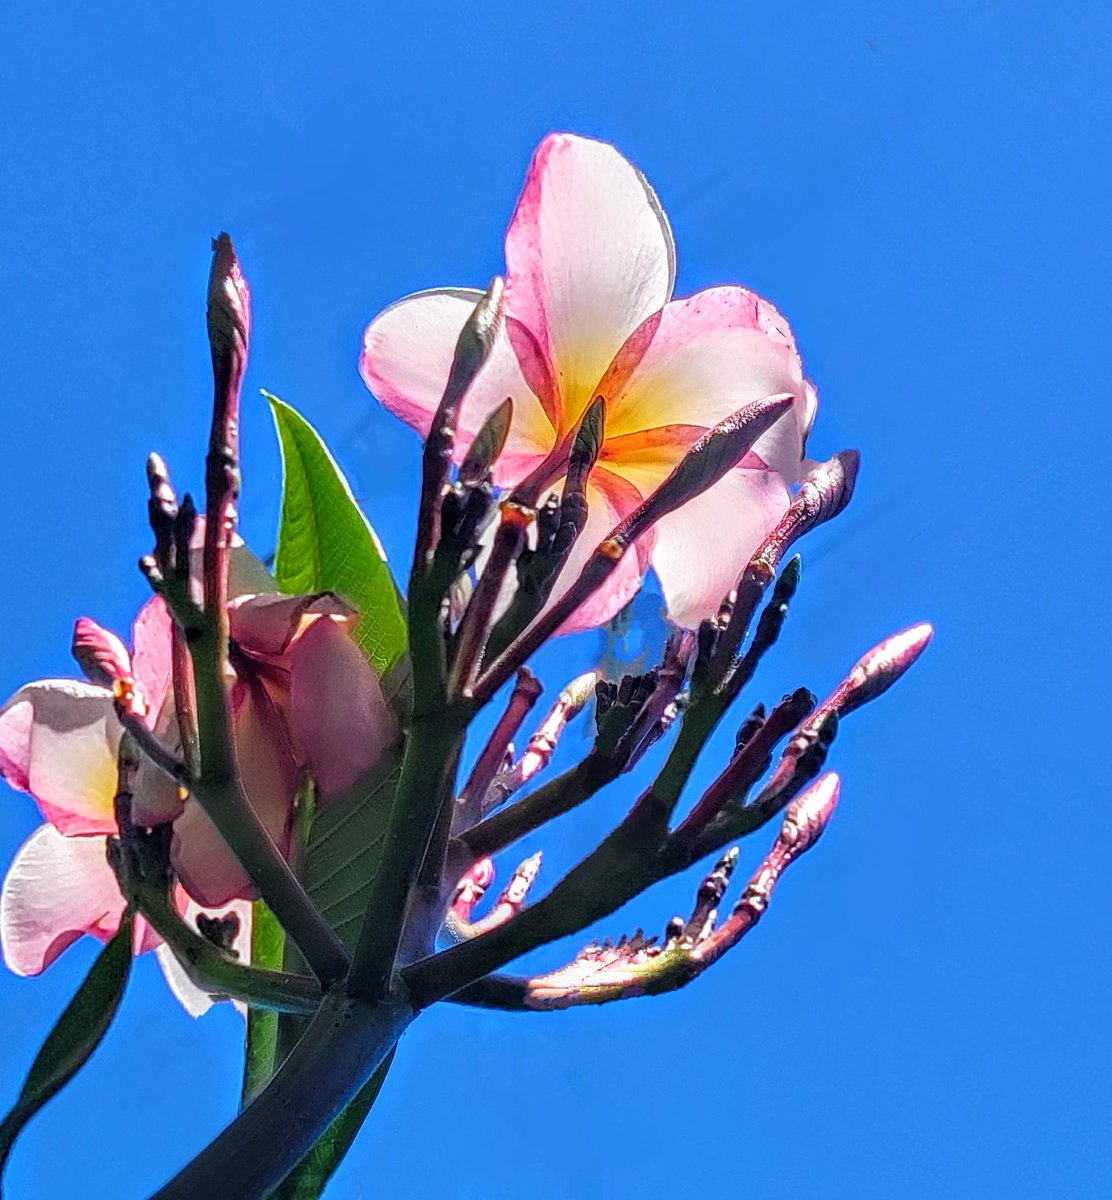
column 407, row 355
column 703, row 546
column 58, row 741
column 56, row 889
column 193, row 999
column 710, row 355
column 589, row 256
column 338, row 714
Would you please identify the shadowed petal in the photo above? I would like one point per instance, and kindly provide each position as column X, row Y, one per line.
column 208, row 869
column 589, row 256
column 267, row 625
column 338, row 714
column 703, row 546
column 56, row 889
column 157, row 799
column 609, row 499
column 152, row 642
column 710, row 355
column 58, row 741
column 195, row 1001
column 407, row 354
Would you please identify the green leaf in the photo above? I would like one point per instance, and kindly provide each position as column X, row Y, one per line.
column 307, row 1180
column 325, row 541
column 345, row 847
column 78, row 1032
column 268, row 940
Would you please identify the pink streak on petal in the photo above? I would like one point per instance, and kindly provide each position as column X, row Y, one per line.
column 56, row 889
column 589, row 257
column 99, row 652
column 702, row 547
column 58, row 741
column 535, row 368
column 407, row 354
column 712, row 354
column 338, row 713
column 152, row 641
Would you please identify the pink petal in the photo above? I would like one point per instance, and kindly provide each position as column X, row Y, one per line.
column 268, row 767
column 710, row 355
column 58, row 741
column 246, row 574
column 99, row 653
column 157, row 799
column 609, row 499
column 589, row 256
column 267, row 625
column 152, row 643
column 193, row 999
column 703, row 547
column 338, row 713
column 407, row 354
column 56, row 889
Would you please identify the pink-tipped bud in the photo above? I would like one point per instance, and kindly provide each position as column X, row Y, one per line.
column 875, row 672
column 99, row 653
column 808, row 815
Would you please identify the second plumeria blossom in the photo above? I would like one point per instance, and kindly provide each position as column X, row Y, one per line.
column 590, row 269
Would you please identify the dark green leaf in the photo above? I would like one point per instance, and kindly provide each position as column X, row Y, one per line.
column 345, row 847
column 267, row 948
column 325, row 541
column 76, row 1035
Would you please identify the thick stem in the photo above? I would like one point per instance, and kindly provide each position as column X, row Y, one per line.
column 343, row 1046
column 219, row 792
column 217, row 972
column 430, row 754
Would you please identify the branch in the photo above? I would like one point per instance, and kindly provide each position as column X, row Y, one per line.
column 470, row 803
column 640, row 966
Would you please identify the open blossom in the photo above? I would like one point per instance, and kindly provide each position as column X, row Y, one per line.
column 590, row 267
column 290, row 657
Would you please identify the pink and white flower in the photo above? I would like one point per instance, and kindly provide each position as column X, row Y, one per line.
column 290, row 658
column 590, row 267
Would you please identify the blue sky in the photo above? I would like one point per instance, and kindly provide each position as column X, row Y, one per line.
column 923, row 190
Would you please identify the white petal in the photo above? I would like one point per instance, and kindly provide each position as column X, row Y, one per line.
column 703, row 547
column 56, row 889
column 589, row 256
column 709, row 356
column 407, row 354
column 58, row 741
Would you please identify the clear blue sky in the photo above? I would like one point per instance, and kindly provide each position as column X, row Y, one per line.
column 923, row 188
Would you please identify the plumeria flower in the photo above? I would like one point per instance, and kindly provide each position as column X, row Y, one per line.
column 590, row 267
column 290, row 657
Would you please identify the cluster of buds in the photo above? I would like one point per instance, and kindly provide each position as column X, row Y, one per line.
column 510, row 551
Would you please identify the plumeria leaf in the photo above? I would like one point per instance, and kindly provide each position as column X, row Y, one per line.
column 77, row 1033
column 345, row 847
column 268, row 942
column 326, row 543
column 307, row 1180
